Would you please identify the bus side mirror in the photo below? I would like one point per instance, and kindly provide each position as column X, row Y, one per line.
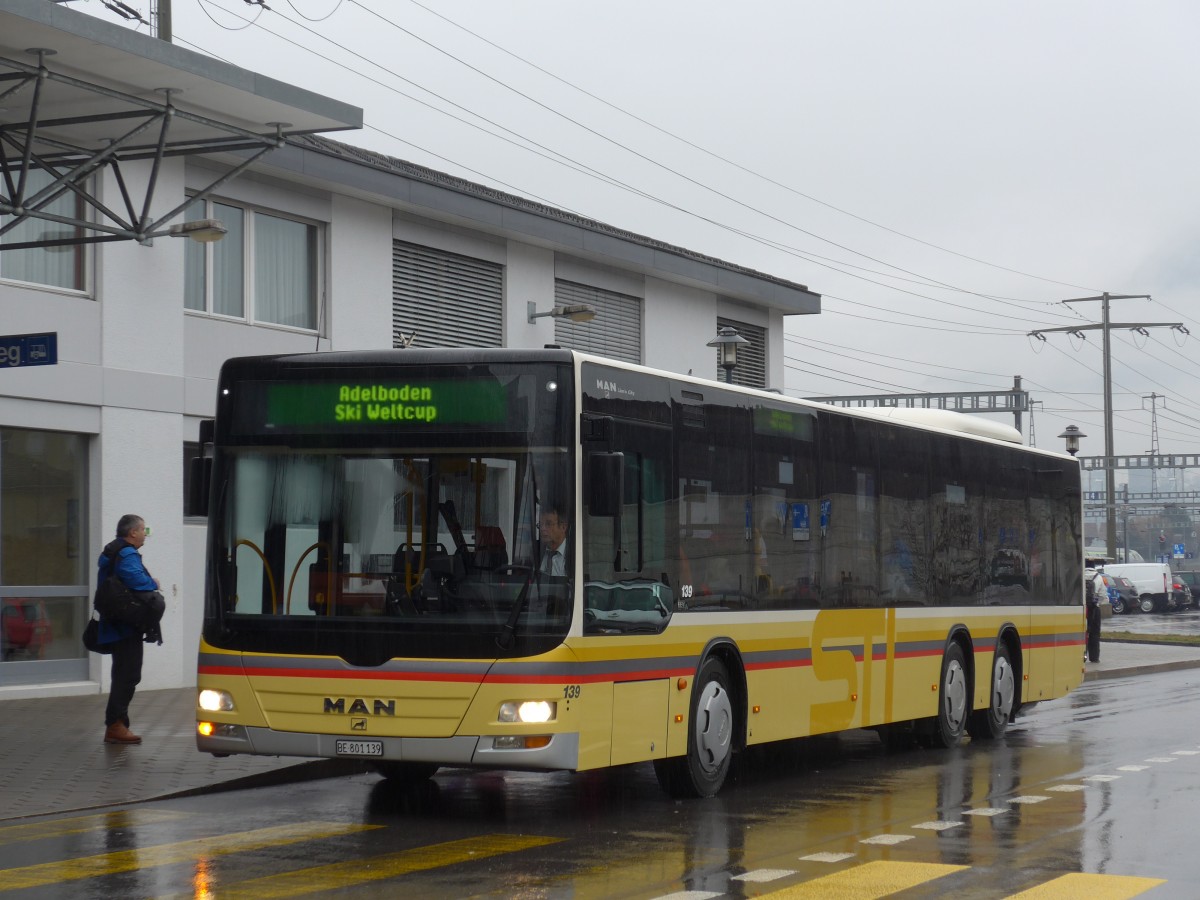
column 199, row 479
column 606, row 483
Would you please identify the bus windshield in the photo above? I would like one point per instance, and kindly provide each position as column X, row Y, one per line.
column 433, row 548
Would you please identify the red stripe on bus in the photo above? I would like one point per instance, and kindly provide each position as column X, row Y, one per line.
column 916, row 654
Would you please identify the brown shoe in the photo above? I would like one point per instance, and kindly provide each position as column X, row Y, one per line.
column 118, row 733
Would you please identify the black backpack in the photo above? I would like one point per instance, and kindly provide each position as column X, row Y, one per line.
column 115, row 602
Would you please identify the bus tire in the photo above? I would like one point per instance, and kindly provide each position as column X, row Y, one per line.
column 954, row 699
column 990, row 723
column 710, row 738
column 405, row 772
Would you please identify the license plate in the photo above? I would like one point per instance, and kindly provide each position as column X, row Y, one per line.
column 358, row 748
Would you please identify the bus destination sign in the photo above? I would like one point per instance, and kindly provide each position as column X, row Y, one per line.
column 414, row 404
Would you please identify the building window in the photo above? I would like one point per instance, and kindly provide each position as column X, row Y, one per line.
column 264, row 270
column 449, row 300
column 62, row 266
column 616, row 332
column 191, row 450
column 751, row 369
column 45, row 558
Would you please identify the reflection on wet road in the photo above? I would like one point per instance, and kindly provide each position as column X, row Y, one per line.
column 1092, row 796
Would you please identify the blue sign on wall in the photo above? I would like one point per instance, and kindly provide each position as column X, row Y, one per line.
column 28, row 350
column 800, row 527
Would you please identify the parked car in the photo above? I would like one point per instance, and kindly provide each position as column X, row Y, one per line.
column 1121, row 594
column 25, row 629
column 1181, row 593
column 1192, row 580
column 1156, row 586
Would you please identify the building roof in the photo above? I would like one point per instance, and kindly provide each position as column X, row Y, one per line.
column 101, row 64
column 496, row 210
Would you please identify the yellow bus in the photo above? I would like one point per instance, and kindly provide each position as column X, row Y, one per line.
column 732, row 567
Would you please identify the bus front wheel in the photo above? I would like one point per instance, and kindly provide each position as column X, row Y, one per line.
column 990, row 723
column 710, row 738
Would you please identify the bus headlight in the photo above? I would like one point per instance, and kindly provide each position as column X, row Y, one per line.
column 532, row 711
column 215, row 701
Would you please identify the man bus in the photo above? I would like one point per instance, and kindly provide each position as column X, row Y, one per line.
column 740, row 567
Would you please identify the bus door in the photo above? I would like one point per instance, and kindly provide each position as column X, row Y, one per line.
column 626, row 538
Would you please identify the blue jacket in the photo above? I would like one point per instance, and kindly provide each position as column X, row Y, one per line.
column 131, row 570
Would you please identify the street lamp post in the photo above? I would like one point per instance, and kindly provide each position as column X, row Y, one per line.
column 1071, row 434
column 726, row 342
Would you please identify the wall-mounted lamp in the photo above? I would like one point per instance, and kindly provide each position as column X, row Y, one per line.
column 203, row 231
column 576, row 312
column 726, row 342
column 1071, row 434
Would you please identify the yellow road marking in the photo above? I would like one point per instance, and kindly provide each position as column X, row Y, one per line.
column 124, row 818
column 169, row 854
column 1081, row 886
column 360, row 871
column 343, row 875
column 868, row 881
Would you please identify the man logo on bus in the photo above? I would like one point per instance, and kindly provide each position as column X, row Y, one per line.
column 358, row 707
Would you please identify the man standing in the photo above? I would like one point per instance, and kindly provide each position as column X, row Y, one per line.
column 121, row 557
column 1092, row 610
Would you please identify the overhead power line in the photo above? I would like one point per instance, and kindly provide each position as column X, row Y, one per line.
column 734, row 163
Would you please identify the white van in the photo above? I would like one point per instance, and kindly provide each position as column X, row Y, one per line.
column 1154, row 582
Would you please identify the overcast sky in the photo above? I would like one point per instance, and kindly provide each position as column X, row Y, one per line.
column 943, row 173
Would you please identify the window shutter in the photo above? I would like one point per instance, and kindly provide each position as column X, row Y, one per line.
column 751, row 369
column 616, row 332
column 449, row 300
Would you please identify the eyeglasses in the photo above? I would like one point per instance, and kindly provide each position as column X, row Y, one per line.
column 146, row 531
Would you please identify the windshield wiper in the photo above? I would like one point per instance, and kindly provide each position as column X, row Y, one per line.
column 505, row 638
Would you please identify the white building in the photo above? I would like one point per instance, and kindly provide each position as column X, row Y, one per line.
column 327, row 247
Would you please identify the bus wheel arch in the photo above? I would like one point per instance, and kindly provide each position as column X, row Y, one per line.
column 716, row 726
column 1004, row 690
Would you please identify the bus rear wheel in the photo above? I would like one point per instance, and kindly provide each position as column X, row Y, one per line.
column 405, row 772
column 710, row 738
column 991, row 722
column 954, row 700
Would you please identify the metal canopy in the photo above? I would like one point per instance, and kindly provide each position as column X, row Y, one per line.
column 78, row 95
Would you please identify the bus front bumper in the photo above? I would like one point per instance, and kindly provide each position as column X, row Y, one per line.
column 560, row 753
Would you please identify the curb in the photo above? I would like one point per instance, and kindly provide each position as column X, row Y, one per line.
column 1147, row 668
column 1099, row 674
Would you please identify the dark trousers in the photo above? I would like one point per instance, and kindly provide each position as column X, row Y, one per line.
column 126, row 673
column 1093, row 632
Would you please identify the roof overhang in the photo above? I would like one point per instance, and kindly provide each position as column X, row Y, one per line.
column 78, row 94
